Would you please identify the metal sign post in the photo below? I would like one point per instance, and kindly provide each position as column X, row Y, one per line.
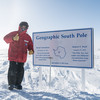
column 73, row 48
column 83, row 79
column 50, row 73
column 40, row 76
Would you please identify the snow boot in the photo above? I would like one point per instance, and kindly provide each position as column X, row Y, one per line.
column 11, row 87
column 19, row 87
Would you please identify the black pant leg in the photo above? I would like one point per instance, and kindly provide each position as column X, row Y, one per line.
column 12, row 73
column 20, row 73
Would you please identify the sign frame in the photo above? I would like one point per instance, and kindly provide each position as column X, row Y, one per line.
column 92, row 47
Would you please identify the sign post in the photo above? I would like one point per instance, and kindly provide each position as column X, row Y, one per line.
column 50, row 73
column 69, row 48
column 83, row 79
column 40, row 77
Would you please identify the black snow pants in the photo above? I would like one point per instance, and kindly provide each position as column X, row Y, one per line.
column 15, row 73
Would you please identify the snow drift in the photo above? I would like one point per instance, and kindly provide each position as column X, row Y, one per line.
column 65, row 82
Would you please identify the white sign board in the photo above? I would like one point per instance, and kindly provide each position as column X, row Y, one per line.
column 68, row 48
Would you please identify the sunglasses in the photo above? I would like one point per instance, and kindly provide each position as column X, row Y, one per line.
column 23, row 28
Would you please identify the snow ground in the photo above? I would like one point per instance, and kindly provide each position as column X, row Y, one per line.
column 65, row 82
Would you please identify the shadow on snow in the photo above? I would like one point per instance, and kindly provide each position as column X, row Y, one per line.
column 51, row 96
column 40, row 96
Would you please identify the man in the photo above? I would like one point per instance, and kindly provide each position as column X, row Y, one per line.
column 19, row 42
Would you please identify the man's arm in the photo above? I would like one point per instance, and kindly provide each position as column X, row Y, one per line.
column 9, row 37
column 30, row 47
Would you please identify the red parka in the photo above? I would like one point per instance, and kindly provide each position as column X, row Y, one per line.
column 18, row 49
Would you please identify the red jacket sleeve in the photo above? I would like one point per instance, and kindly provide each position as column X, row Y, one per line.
column 30, row 46
column 9, row 37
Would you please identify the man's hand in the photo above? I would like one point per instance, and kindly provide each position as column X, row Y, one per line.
column 16, row 38
column 31, row 52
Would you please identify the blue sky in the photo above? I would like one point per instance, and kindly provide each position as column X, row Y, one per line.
column 48, row 15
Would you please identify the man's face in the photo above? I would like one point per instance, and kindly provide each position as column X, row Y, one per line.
column 23, row 28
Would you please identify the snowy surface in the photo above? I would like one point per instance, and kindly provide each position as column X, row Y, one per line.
column 66, row 83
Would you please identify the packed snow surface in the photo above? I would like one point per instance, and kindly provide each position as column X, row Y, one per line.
column 66, row 83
